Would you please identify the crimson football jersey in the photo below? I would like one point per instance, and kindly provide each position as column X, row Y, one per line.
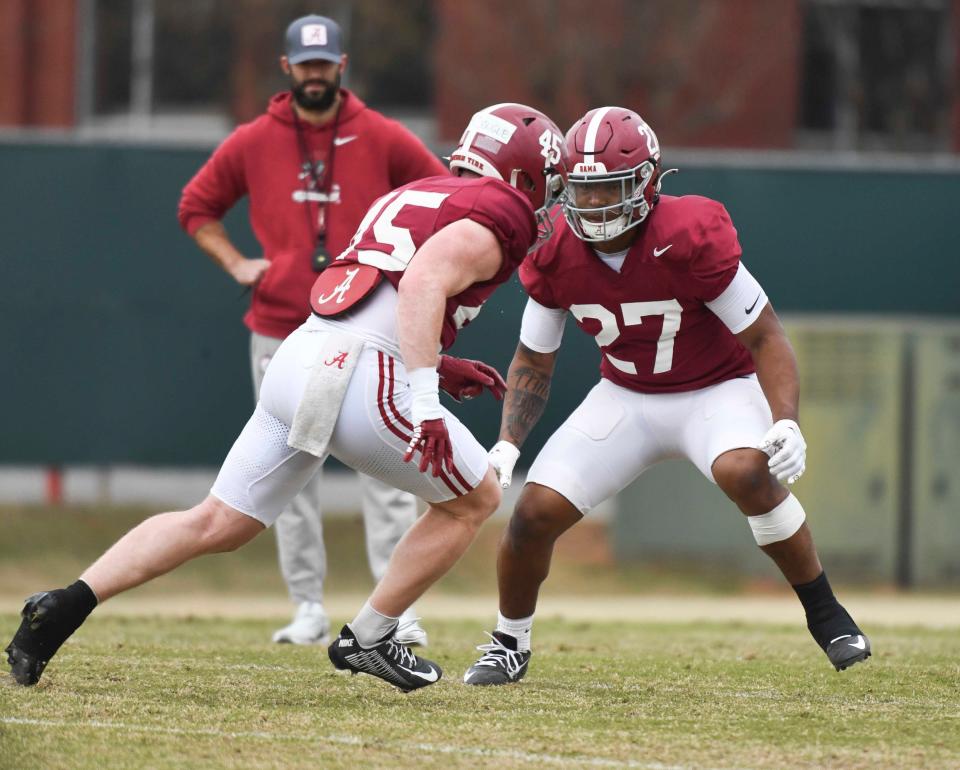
column 650, row 321
column 399, row 223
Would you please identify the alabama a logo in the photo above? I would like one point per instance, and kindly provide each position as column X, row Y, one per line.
column 339, row 360
column 340, row 290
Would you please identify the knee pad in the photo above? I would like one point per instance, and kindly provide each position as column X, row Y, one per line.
column 779, row 524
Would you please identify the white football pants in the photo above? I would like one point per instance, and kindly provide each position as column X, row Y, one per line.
column 387, row 513
column 616, row 434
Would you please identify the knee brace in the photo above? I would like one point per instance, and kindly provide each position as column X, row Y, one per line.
column 779, row 524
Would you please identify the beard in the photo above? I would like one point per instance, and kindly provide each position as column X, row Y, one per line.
column 315, row 102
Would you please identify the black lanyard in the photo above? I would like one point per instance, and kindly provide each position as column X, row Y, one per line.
column 318, row 226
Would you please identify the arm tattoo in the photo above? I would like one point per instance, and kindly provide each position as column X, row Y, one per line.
column 528, row 390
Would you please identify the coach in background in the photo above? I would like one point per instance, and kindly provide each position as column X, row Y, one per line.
column 311, row 165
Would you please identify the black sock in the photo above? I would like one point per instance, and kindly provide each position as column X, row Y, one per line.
column 80, row 598
column 826, row 618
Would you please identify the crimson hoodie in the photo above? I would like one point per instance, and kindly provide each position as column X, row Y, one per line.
column 263, row 159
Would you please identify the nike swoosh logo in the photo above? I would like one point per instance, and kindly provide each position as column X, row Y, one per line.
column 660, row 252
column 432, row 676
column 860, row 644
column 337, row 141
column 749, row 310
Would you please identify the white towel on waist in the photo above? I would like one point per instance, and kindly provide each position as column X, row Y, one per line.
column 319, row 406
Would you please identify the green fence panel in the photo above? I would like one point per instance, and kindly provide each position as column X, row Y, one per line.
column 935, row 532
column 122, row 343
column 851, row 397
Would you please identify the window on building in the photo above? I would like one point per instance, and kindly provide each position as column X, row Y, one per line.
column 193, row 67
column 876, row 75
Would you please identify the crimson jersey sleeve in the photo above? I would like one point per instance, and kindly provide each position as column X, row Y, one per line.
column 537, row 272
column 507, row 214
column 536, row 283
column 709, row 260
column 216, row 187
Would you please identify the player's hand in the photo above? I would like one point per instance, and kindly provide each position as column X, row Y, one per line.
column 787, row 450
column 464, row 379
column 430, row 437
column 503, row 457
column 248, row 272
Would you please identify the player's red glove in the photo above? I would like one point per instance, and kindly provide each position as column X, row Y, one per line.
column 433, row 441
column 463, row 378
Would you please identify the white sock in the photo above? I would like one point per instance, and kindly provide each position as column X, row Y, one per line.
column 371, row 626
column 520, row 629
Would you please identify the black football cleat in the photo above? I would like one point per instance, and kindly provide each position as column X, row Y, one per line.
column 388, row 660
column 42, row 631
column 848, row 649
column 500, row 662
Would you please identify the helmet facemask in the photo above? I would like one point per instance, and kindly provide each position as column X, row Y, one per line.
column 600, row 206
column 546, row 215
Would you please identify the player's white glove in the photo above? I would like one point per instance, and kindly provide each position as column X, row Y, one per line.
column 503, row 457
column 787, row 450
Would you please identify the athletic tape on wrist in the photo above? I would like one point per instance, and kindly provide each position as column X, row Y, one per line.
column 507, row 449
column 425, row 395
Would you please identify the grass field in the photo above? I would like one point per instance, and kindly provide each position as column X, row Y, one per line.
column 143, row 692
column 153, row 680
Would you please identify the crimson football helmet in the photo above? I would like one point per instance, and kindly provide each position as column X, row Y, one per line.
column 615, row 176
column 522, row 147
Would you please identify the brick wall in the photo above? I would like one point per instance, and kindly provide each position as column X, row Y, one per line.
column 702, row 72
column 37, row 62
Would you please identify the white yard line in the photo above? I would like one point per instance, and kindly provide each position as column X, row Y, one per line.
column 352, row 740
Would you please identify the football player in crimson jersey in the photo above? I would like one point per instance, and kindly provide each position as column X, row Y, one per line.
column 694, row 363
column 359, row 380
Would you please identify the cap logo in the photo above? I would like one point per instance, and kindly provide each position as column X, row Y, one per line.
column 492, row 126
column 313, row 34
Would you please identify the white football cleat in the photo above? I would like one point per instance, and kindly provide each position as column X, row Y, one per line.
column 310, row 626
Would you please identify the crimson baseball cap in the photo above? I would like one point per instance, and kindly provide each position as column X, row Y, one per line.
column 313, row 37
